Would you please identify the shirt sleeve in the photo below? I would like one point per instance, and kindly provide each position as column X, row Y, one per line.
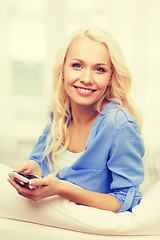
column 39, row 150
column 126, row 165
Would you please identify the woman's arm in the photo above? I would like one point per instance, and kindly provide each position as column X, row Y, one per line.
column 50, row 186
column 89, row 198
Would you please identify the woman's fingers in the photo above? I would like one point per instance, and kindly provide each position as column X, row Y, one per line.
column 25, row 191
column 24, row 167
column 15, row 185
column 33, row 183
column 29, row 167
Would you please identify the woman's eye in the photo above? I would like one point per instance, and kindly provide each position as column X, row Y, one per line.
column 76, row 66
column 99, row 69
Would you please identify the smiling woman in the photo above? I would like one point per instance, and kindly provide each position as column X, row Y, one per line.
column 91, row 114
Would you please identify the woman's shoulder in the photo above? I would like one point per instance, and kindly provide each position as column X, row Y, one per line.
column 117, row 116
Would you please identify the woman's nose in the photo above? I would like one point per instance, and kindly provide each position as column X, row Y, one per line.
column 86, row 77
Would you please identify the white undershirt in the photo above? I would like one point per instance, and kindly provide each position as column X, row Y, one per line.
column 67, row 158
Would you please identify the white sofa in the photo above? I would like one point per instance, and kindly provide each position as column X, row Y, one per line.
column 58, row 218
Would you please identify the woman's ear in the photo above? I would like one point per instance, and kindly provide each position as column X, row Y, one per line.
column 110, row 81
column 62, row 75
column 63, row 72
column 112, row 71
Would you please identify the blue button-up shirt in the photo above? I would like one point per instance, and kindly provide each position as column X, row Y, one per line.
column 112, row 160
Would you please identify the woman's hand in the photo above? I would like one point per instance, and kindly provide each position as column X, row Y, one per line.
column 29, row 167
column 39, row 188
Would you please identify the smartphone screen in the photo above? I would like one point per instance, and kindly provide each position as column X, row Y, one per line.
column 28, row 176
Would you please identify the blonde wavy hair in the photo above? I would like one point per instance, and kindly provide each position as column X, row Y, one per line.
column 118, row 91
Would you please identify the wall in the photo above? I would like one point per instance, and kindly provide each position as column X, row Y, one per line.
column 31, row 32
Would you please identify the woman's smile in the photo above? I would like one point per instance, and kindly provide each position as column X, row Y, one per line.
column 84, row 91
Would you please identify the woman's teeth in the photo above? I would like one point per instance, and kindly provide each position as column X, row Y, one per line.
column 85, row 90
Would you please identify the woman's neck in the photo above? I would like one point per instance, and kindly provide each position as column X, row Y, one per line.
column 82, row 115
column 82, row 120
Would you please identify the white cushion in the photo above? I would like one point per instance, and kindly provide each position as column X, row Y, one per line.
column 60, row 212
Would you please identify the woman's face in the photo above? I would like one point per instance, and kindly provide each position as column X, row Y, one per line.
column 87, row 71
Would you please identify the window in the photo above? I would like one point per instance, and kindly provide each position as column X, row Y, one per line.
column 27, row 78
column 27, row 46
